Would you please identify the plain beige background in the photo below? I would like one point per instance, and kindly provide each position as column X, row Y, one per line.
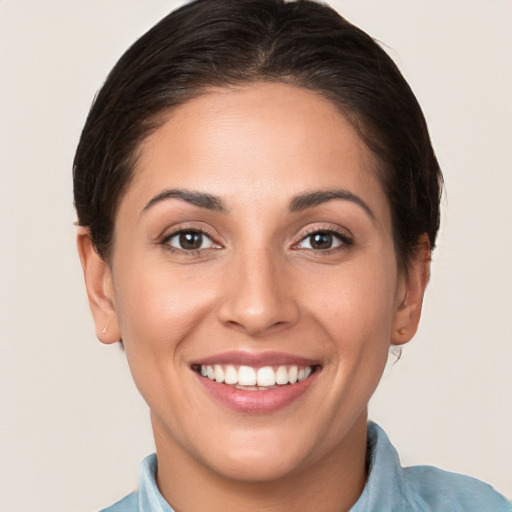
column 72, row 427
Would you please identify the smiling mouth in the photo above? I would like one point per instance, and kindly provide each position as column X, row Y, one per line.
column 251, row 378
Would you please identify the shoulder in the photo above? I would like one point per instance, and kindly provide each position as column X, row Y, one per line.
column 391, row 487
column 127, row 504
column 430, row 488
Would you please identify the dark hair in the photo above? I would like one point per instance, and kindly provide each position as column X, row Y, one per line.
column 229, row 42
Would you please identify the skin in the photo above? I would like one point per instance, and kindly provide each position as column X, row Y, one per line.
column 258, row 286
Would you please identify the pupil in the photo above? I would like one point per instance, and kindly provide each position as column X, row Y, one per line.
column 321, row 241
column 191, row 240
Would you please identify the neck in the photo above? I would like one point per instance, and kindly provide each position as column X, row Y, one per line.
column 332, row 483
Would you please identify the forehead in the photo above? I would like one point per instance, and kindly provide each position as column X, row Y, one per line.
column 250, row 142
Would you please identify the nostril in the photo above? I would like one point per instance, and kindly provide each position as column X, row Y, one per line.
column 256, row 298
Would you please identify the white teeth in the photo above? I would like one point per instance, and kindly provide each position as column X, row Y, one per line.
column 246, row 376
column 264, row 377
column 282, row 375
column 230, row 375
column 304, row 373
column 219, row 373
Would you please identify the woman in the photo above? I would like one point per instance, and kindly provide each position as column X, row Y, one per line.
column 258, row 200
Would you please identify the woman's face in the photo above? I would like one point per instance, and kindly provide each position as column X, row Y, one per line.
column 253, row 245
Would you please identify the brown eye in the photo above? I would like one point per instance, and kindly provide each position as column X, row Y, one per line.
column 189, row 241
column 322, row 241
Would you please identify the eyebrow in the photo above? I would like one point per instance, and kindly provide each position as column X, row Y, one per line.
column 297, row 204
column 317, row 197
column 200, row 199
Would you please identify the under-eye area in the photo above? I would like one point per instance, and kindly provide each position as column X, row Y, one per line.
column 255, row 378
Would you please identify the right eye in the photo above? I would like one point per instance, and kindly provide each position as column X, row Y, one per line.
column 189, row 240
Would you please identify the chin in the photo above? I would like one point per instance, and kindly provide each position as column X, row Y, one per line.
column 259, row 467
column 253, row 456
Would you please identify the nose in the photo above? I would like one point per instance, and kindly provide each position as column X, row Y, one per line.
column 258, row 296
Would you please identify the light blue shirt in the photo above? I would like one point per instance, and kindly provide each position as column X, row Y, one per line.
column 389, row 488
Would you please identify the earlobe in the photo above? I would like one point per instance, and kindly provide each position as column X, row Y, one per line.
column 98, row 281
column 408, row 312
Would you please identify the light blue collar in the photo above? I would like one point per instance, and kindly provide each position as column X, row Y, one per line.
column 389, row 488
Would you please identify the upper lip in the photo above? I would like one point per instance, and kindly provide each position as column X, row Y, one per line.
column 255, row 359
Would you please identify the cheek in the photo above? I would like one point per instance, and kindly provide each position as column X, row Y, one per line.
column 159, row 315
column 355, row 303
column 157, row 309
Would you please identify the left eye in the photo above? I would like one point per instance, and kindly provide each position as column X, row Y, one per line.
column 189, row 240
column 321, row 241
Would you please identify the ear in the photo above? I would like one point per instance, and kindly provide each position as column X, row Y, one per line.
column 98, row 281
column 410, row 294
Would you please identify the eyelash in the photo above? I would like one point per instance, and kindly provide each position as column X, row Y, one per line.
column 184, row 231
column 344, row 241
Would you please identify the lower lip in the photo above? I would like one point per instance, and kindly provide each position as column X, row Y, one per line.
column 263, row 401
